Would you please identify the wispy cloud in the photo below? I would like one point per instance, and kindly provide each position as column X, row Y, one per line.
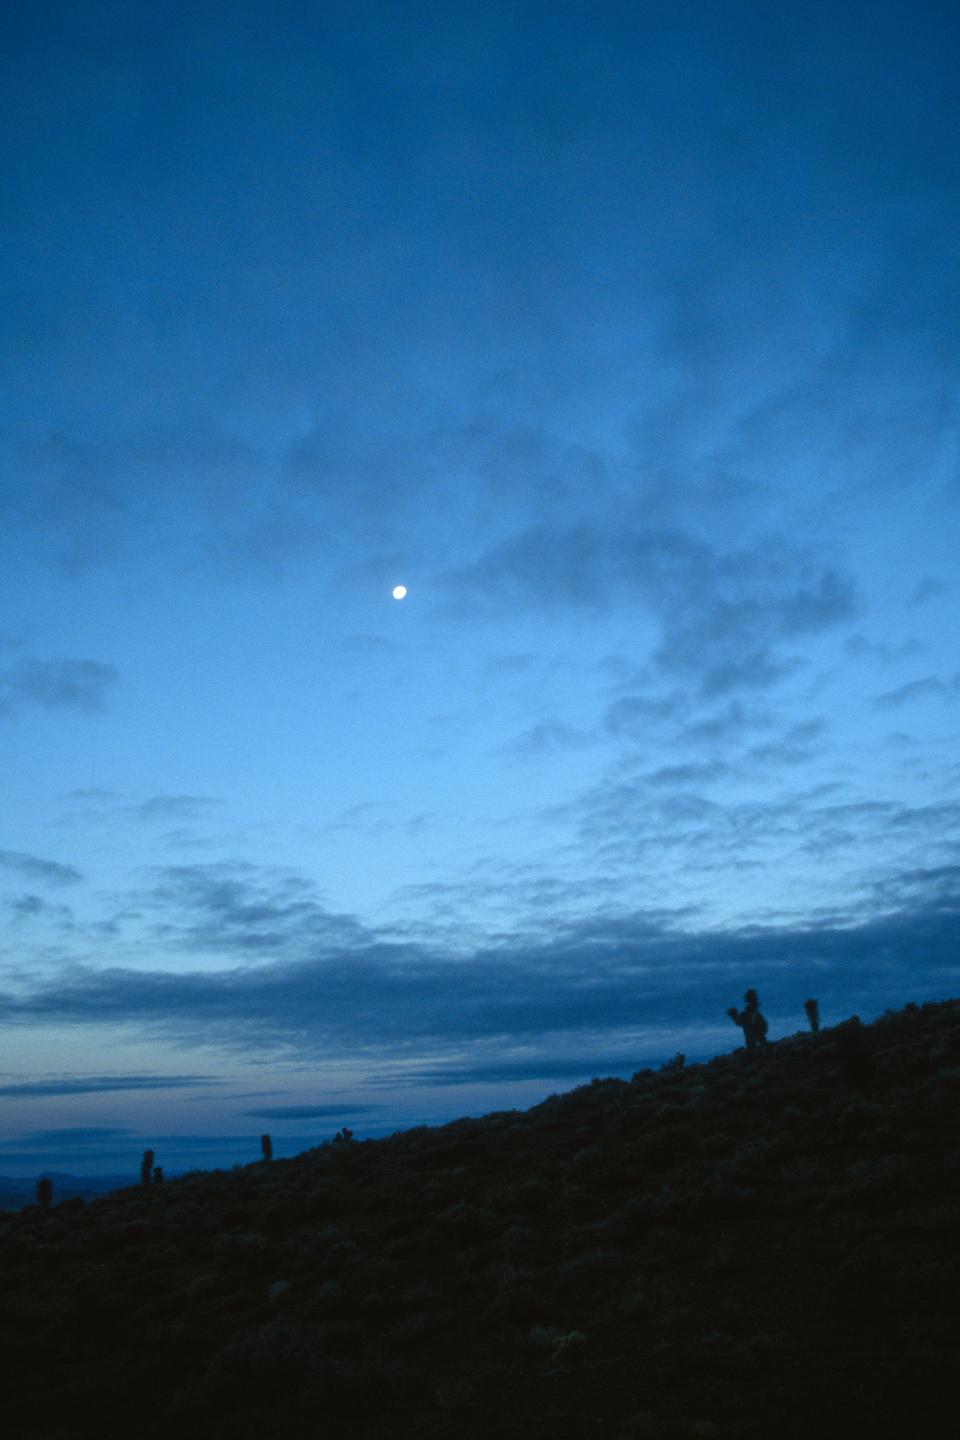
column 168, row 808
column 81, row 685
column 244, row 909
column 929, row 685
column 25, row 908
column 547, row 1065
column 545, row 738
column 94, row 1135
column 309, row 1112
column 860, row 646
column 927, row 588
column 32, row 867
column 723, row 613
column 101, row 1085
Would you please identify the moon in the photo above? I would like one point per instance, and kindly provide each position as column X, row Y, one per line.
column 399, row 591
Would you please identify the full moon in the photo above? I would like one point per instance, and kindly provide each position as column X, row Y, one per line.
column 399, row 591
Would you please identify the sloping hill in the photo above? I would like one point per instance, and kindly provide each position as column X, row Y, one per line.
column 765, row 1245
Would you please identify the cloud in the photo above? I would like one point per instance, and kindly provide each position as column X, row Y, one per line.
column 927, row 589
column 815, row 602
column 309, row 1112
column 675, row 776
column 933, row 888
column 725, row 725
column 751, row 672
column 794, row 747
column 244, row 909
column 859, row 646
column 80, row 685
column 722, row 613
column 30, row 907
column 545, row 738
column 50, row 872
column 549, row 1065
column 703, row 835
column 890, row 699
column 102, row 1084
column 600, row 976
column 367, row 817
column 635, row 715
column 25, row 905
column 72, row 1135
column 166, row 808
column 466, row 910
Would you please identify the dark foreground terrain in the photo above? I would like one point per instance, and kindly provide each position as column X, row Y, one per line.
column 762, row 1246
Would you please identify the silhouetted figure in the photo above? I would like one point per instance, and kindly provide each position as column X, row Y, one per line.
column 146, row 1167
column 813, row 1015
column 266, row 1147
column 158, row 1174
column 45, row 1191
column 751, row 1022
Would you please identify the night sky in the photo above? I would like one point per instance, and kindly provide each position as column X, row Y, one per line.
column 627, row 338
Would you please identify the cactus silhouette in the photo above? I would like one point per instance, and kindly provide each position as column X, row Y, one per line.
column 751, row 1022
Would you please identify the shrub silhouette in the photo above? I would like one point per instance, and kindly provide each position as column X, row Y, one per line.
column 856, row 1062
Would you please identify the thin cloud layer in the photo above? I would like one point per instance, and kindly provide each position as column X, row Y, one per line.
column 913, row 690
column 724, row 615
column 595, row 976
column 102, row 1085
column 167, row 808
column 309, row 1112
column 243, row 909
column 81, row 685
column 32, row 867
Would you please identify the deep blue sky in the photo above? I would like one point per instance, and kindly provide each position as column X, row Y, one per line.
column 626, row 336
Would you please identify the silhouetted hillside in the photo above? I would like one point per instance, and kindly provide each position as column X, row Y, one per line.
column 765, row 1245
